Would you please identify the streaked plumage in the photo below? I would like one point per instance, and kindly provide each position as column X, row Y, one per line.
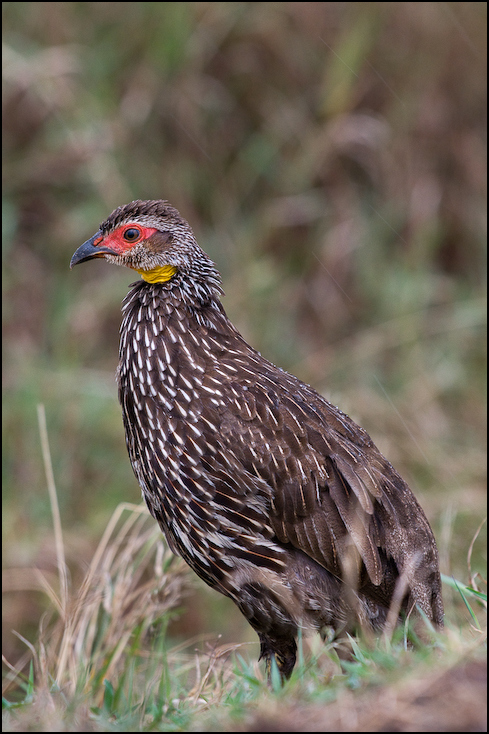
column 272, row 495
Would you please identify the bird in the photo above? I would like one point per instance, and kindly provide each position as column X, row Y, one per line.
column 271, row 494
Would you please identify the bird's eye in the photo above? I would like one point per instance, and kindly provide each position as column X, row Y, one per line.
column 131, row 234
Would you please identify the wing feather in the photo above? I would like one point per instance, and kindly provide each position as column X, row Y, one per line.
column 324, row 493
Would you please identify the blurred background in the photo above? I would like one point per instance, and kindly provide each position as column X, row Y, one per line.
column 331, row 159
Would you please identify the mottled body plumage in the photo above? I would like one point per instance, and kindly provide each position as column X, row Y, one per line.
column 271, row 494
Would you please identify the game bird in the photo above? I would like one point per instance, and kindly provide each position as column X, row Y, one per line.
column 271, row 494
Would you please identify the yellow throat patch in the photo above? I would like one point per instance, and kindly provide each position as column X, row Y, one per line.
column 158, row 275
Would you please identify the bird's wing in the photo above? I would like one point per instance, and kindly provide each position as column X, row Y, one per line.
column 327, row 478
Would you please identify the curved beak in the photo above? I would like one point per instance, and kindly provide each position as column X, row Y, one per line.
column 90, row 249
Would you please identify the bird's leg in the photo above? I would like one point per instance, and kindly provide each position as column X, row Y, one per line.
column 281, row 652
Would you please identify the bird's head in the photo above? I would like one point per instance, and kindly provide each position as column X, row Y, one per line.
column 152, row 238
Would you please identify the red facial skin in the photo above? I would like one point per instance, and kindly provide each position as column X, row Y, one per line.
column 125, row 237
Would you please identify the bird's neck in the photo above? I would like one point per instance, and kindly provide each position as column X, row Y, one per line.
column 176, row 314
column 175, row 300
